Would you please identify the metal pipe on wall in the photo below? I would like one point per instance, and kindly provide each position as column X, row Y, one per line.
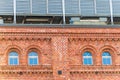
column 79, row 7
column 31, row 6
column 14, row 9
column 63, row 10
column 111, row 12
column 47, row 6
column 95, row 6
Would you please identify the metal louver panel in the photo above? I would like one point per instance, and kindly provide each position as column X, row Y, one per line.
column 23, row 6
column 72, row 6
column 55, row 6
column 116, row 6
column 6, row 7
column 87, row 7
column 103, row 7
column 39, row 7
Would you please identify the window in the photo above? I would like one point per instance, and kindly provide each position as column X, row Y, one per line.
column 106, row 58
column 33, row 58
column 87, row 58
column 13, row 58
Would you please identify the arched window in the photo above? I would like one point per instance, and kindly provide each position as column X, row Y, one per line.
column 87, row 58
column 13, row 58
column 33, row 58
column 106, row 58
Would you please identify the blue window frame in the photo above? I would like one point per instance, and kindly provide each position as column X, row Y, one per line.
column 87, row 58
column 106, row 58
column 13, row 58
column 33, row 58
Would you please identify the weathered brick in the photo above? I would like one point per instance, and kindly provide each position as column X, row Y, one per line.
column 59, row 49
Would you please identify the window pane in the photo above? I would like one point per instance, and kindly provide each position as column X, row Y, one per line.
column 106, row 54
column 87, row 54
column 104, row 61
column 85, row 61
column 33, row 58
column 30, row 61
column 33, row 54
column 106, row 58
column 13, row 54
column 15, row 61
column 35, row 61
column 90, row 61
column 13, row 58
column 108, row 61
column 87, row 58
column 11, row 61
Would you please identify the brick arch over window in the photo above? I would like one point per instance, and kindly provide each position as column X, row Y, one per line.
column 13, row 48
column 36, row 49
column 111, row 50
column 88, row 48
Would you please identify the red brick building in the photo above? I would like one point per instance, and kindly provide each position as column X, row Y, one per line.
column 60, row 53
column 59, row 40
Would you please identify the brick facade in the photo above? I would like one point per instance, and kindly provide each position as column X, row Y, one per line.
column 60, row 53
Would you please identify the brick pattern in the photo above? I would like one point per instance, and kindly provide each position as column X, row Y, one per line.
column 59, row 49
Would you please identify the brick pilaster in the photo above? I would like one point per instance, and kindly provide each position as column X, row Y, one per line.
column 60, row 58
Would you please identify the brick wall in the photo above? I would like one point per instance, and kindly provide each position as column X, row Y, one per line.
column 60, row 52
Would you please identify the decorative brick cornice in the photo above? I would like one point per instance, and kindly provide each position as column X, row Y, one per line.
column 64, row 33
column 77, row 69
column 26, row 67
column 19, row 38
column 92, row 39
column 32, row 72
column 40, row 69
column 94, row 72
column 86, row 36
